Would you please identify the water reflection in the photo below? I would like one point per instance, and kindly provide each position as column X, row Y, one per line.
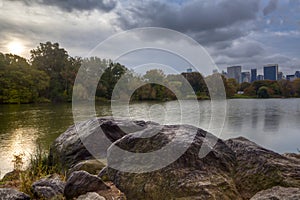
column 254, row 115
column 19, row 142
column 272, row 119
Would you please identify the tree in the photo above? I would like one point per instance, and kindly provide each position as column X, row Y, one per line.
column 19, row 82
column 197, row 82
column 231, row 87
column 296, row 86
column 286, row 88
column 244, row 86
column 59, row 66
column 111, row 76
column 263, row 92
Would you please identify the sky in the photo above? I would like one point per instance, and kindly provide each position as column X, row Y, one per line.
column 251, row 33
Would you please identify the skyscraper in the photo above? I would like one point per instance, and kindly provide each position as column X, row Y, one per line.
column 234, row 72
column 291, row 77
column 280, row 76
column 245, row 77
column 253, row 75
column 271, row 72
column 260, row 77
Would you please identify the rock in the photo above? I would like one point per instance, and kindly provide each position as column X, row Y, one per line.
column 90, row 166
column 189, row 177
column 292, row 155
column 81, row 182
column 48, row 188
column 103, row 174
column 11, row 176
column 234, row 169
column 68, row 149
column 11, row 194
column 259, row 169
column 278, row 193
column 91, row 196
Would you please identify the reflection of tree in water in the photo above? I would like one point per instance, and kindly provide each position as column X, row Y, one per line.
column 272, row 119
column 254, row 117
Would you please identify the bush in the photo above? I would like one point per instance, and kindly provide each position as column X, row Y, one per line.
column 263, row 92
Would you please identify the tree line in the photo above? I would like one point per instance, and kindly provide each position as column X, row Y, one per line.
column 49, row 75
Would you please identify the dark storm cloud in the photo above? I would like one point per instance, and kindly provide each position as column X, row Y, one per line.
column 192, row 16
column 70, row 5
column 208, row 22
column 271, row 7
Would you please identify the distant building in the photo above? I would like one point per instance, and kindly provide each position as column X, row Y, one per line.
column 271, row 72
column 234, row 72
column 280, row 76
column 291, row 77
column 189, row 70
column 297, row 74
column 245, row 77
column 215, row 71
column 253, row 75
column 224, row 73
column 260, row 77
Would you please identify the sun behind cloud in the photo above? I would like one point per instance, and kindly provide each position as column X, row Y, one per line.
column 15, row 47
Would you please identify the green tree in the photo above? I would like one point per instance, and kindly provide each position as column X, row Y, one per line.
column 59, row 66
column 244, row 86
column 110, row 77
column 296, row 87
column 19, row 82
column 263, row 92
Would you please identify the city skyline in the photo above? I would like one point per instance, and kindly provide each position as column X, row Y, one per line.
column 270, row 72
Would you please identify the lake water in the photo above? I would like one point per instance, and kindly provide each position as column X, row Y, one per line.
column 272, row 123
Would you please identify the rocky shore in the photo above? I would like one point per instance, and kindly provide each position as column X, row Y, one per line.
column 234, row 169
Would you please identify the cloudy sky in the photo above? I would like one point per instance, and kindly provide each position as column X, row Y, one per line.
column 250, row 33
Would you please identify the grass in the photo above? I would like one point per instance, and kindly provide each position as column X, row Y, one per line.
column 38, row 168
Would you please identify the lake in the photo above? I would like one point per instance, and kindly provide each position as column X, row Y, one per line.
column 272, row 123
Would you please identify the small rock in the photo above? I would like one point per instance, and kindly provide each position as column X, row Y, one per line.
column 81, row 182
column 90, row 166
column 278, row 193
column 48, row 187
column 90, row 196
column 11, row 194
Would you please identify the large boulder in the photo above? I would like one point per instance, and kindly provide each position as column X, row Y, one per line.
column 70, row 147
column 11, row 194
column 81, row 182
column 48, row 188
column 278, row 193
column 233, row 169
column 258, row 168
column 189, row 177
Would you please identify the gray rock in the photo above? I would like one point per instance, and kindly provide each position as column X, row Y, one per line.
column 234, row 169
column 278, row 193
column 48, row 188
column 68, row 149
column 189, row 177
column 11, row 194
column 90, row 196
column 81, row 182
column 259, row 169
column 90, row 166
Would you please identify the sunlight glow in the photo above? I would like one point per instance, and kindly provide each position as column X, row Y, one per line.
column 15, row 47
